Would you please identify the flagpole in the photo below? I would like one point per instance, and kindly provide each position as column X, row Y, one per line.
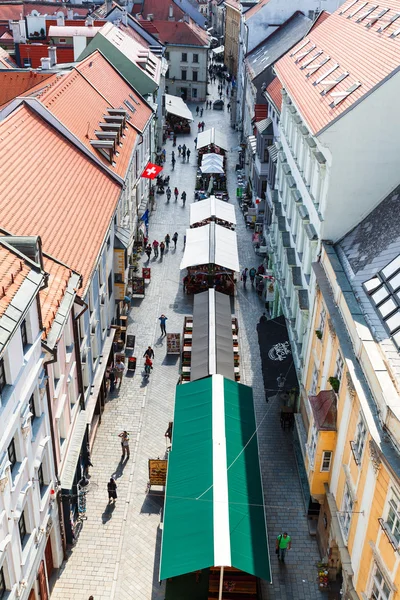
column 221, row 582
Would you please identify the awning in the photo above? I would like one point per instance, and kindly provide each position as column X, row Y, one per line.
column 73, row 452
column 218, row 50
column 211, row 245
column 212, row 344
column 176, row 106
column 212, row 156
column 276, row 356
column 252, row 143
column 212, row 208
column 273, row 152
column 122, row 238
column 212, row 136
column 264, row 126
column 214, row 505
column 211, row 167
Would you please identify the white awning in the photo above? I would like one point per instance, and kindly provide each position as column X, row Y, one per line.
column 212, row 207
column 218, row 50
column 252, row 143
column 211, row 245
column 212, row 167
column 212, row 136
column 176, row 106
column 212, row 156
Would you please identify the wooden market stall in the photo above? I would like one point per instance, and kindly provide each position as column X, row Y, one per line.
column 214, row 542
column 210, row 339
column 212, row 210
column 211, row 259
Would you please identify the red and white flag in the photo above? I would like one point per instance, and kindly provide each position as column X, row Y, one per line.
column 151, row 171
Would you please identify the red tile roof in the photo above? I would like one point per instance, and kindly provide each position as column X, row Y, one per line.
column 73, row 23
column 52, row 8
column 323, row 15
column 6, row 62
column 181, row 33
column 353, row 39
column 260, row 112
column 53, row 294
column 70, row 208
column 130, row 32
column 324, row 408
column 37, row 51
column 13, row 272
column 233, row 3
column 112, row 86
column 160, row 10
column 255, row 9
column 15, row 83
column 274, row 91
column 11, row 12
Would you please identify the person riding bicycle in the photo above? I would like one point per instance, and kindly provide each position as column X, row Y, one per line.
column 183, row 198
column 176, row 193
column 168, row 193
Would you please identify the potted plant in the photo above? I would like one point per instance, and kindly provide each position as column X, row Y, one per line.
column 318, row 333
column 335, row 383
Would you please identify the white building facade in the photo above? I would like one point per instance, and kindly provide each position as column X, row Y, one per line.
column 187, row 72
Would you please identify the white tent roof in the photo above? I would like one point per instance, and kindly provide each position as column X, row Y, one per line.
column 212, row 156
column 212, row 167
column 211, row 244
column 218, row 50
column 212, row 207
column 211, row 136
column 176, row 106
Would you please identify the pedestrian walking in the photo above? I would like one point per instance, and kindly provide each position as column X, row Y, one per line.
column 119, row 370
column 228, row 106
column 199, row 127
column 188, row 154
column 203, row 125
column 124, row 444
column 195, row 142
column 127, row 304
column 175, row 238
column 263, row 318
column 184, row 154
column 283, row 543
column 155, row 248
column 173, row 162
column 252, row 274
column 112, row 490
column 183, row 198
column 162, row 249
column 197, row 111
column 148, row 252
column 167, row 240
column 244, row 276
column 148, row 365
column 149, row 352
column 173, row 155
column 111, row 378
column 179, row 149
column 168, row 194
column 201, row 112
column 163, row 320
column 163, row 155
column 260, row 287
column 176, row 193
column 174, row 144
column 184, row 148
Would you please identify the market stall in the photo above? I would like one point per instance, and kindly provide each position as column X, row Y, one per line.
column 177, row 115
column 214, row 529
column 211, row 259
column 212, row 209
column 211, row 141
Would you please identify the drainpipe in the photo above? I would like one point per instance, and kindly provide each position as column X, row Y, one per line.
column 75, row 318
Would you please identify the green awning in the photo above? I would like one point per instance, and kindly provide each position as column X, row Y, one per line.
column 214, row 505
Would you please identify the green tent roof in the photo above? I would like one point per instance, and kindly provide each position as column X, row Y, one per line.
column 214, row 506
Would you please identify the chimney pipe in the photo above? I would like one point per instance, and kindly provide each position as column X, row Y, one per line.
column 52, row 55
column 70, row 14
column 171, row 13
column 46, row 63
column 60, row 20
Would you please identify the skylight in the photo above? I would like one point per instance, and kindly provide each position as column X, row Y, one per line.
column 348, row 7
column 375, row 18
column 314, row 68
column 329, row 84
column 304, row 54
column 310, row 60
column 366, row 14
column 300, row 48
column 357, row 10
column 326, row 74
column 384, row 292
column 340, row 96
column 389, row 22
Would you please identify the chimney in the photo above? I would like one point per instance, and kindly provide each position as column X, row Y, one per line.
column 45, row 62
column 60, row 20
column 18, row 29
column 53, row 56
column 89, row 22
column 171, row 13
column 186, row 18
column 70, row 14
column 124, row 17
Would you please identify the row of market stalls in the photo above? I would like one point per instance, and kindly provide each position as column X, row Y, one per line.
column 212, row 147
column 177, row 115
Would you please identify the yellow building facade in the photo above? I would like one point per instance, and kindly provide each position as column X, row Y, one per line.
column 232, row 30
column 348, row 407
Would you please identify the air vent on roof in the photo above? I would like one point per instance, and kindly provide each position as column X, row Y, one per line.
column 395, row 33
column 105, row 147
column 326, row 74
column 366, row 14
column 331, row 83
column 300, row 48
column 134, row 99
column 348, row 7
column 130, row 106
column 117, row 111
column 389, row 22
column 375, row 18
column 314, row 68
column 304, row 54
column 340, row 96
column 107, row 135
column 115, row 119
column 357, row 10
column 310, row 60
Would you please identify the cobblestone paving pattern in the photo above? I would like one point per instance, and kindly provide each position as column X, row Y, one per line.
column 118, row 551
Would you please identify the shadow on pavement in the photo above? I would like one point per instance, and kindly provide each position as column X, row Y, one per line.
column 158, row 588
column 108, row 513
column 153, row 503
column 119, row 471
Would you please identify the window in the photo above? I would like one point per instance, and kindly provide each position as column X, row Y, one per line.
column 326, row 461
column 346, row 512
column 27, row 62
column 184, row 57
column 3, row 588
column 312, row 447
column 195, row 75
column 32, row 408
column 41, row 478
column 322, row 321
column 339, row 367
column 273, row 114
column 62, row 41
column 194, row 92
column 358, row 444
column 3, row 381
column 12, row 455
column 167, row 55
column 380, row 589
column 393, row 518
column 110, row 286
column 22, row 529
column 183, row 74
column 314, row 381
column 195, row 58
column 24, row 334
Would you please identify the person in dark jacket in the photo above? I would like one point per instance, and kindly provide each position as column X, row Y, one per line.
column 112, row 490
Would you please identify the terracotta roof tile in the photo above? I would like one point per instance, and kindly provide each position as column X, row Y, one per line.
column 52, row 8
column 70, row 209
column 323, row 15
column 53, row 294
column 37, row 51
column 255, row 9
column 6, row 62
column 11, row 12
column 15, row 83
column 171, row 32
column 130, row 32
column 13, row 272
column 274, row 91
column 160, row 10
column 112, row 86
column 352, row 40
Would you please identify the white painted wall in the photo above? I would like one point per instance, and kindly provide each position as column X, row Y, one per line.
column 176, row 65
column 341, row 438
column 363, row 518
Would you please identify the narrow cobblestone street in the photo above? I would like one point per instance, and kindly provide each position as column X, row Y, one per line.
column 117, row 554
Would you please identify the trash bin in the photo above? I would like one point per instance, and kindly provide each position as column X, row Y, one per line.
column 132, row 363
